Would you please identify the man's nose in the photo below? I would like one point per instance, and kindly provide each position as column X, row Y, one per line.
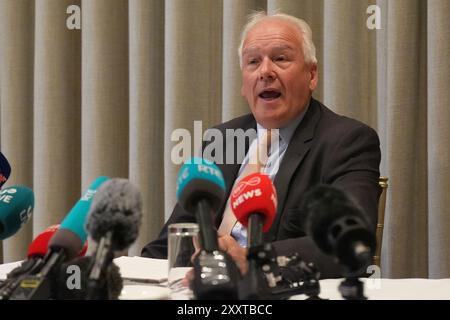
column 266, row 70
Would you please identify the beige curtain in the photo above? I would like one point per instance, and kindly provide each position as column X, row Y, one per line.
column 105, row 99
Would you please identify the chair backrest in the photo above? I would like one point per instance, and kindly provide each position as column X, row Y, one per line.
column 383, row 181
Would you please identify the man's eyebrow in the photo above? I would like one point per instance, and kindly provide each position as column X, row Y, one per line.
column 276, row 48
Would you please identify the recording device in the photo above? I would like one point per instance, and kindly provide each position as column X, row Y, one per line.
column 254, row 203
column 65, row 244
column 201, row 190
column 35, row 259
column 16, row 207
column 5, row 170
column 339, row 228
column 284, row 276
column 113, row 222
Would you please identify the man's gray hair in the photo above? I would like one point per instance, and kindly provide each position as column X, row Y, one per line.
column 309, row 49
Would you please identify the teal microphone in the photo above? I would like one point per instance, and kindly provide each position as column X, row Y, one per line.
column 72, row 233
column 76, row 219
column 16, row 207
column 198, row 179
column 201, row 191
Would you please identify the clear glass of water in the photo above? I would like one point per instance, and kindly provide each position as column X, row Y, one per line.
column 181, row 248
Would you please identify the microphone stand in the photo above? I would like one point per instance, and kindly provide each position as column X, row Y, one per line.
column 253, row 286
column 27, row 268
column 97, row 276
column 40, row 286
column 215, row 271
column 351, row 288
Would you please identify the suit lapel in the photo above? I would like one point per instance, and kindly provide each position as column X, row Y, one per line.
column 297, row 149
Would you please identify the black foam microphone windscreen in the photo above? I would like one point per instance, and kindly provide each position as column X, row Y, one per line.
column 116, row 208
column 113, row 222
column 339, row 227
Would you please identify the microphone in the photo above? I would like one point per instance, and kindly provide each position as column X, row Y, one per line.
column 201, row 190
column 36, row 252
column 75, row 288
column 5, row 170
column 113, row 222
column 16, row 207
column 65, row 244
column 339, row 228
column 39, row 246
column 254, row 203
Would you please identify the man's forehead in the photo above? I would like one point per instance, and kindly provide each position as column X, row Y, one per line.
column 254, row 48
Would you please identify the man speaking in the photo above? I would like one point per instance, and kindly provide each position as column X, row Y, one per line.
column 315, row 145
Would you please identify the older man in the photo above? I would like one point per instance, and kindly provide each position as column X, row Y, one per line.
column 279, row 74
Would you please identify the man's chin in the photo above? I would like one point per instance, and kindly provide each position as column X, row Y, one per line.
column 270, row 122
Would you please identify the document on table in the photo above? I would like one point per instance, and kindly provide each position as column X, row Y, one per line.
column 139, row 269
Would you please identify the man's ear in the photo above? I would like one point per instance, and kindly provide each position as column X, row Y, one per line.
column 314, row 74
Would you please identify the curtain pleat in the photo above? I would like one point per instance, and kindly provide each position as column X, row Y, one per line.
column 16, row 107
column 381, row 92
column 104, row 103
column 438, row 138
column 146, row 19
column 57, row 114
column 193, row 82
column 118, row 96
column 406, row 251
column 346, row 38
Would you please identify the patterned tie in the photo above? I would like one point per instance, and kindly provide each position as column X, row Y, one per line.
column 256, row 163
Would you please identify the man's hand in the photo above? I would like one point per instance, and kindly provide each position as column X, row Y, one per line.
column 226, row 244
column 239, row 254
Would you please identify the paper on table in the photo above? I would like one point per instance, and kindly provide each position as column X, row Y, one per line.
column 7, row 268
column 141, row 269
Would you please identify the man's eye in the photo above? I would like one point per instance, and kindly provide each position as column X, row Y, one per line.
column 280, row 58
column 252, row 61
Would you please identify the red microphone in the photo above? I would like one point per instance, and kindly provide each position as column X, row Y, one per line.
column 254, row 203
column 36, row 253
column 39, row 246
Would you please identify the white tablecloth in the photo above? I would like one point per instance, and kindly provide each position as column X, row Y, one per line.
column 374, row 289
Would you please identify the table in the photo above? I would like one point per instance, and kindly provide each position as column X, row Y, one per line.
column 374, row 289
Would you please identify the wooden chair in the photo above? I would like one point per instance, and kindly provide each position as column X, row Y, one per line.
column 383, row 181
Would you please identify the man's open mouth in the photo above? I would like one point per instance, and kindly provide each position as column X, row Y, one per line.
column 269, row 95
